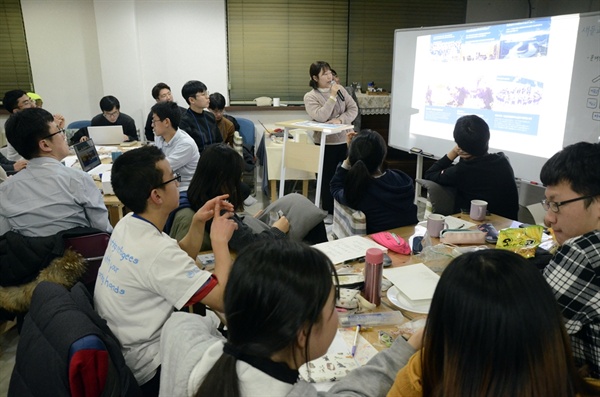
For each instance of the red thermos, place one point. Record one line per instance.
(373, 274)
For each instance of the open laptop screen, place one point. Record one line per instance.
(87, 155)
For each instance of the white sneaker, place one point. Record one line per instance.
(328, 219)
(250, 201)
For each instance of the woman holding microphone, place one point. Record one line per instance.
(329, 102)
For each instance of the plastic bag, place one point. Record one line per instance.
(522, 241)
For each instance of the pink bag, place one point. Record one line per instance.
(392, 242)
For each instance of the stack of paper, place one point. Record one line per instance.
(417, 281)
(348, 248)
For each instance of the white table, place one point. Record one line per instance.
(306, 157)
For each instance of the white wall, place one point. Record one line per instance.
(81, 50)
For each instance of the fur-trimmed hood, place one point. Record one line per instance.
(65, 270)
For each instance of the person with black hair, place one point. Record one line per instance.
(179, 148)
(144, 274)
(572, 205)
(226, 126)
(200, 125)
(16, 100)
(111, 115)
(478, 175)
(161, 92)
(386, 197)
(46, 197)
(329, 102)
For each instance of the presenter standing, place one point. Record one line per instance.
(329, 102)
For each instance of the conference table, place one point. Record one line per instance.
(372, 334)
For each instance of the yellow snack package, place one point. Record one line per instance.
(522, 241)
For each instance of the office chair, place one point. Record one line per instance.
(247, 131)
(92, 247)
(75, 125)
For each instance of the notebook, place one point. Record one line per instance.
(89, 159)
(107, 135)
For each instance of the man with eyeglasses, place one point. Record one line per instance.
(201, 125)
(572, 180)
(46, 197)
(161, 92)
(111, 115)
(145, 274)
(16, 101)
(179, 148)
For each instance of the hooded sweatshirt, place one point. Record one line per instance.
(388, 202)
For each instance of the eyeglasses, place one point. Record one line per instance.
(156, 121)
(111, 114)
(555, 205)
(177, 178)
(60, 131)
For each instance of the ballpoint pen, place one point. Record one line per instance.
(355, 340)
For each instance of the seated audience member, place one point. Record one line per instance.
(219, 171)
(12, 166)
(479, 174)
(179, 148)
(201, 125)
(111, 115)
(385, 197)
(16, 100)
(217, 107)
(46, 197)
(145, 274)
(493, 329)
(161, 93)
(272, 329)
(572, 206)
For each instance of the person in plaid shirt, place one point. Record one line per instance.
(572, 204)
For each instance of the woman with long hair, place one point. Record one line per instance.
(280, 313)
(360, 182)
(493, 329)
(220, 170)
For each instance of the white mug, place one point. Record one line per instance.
(435, 224)
(478, 210)
(275, 101)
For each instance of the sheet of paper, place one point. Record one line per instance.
(70, 160)
(348, 248)
(415, 281)
(338, 360)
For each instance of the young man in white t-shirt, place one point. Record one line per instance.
(145, 274)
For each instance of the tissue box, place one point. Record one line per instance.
(106, 185)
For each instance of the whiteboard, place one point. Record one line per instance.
(535, 81)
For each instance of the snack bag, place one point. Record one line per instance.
(522, 241)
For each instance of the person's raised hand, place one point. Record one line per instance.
(282, 224)
(350, 136)
(59, 120)
(223, 226)
(209, 209)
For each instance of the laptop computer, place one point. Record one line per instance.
(107, 135)
(89, 159)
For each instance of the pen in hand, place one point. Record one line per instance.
(355, 340)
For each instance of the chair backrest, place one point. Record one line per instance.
(442, 198)
(347, 221)
(79, 124)
(92, 247)
(246, 130)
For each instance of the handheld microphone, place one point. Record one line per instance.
(339, 93)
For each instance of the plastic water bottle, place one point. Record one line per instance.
(373, 275)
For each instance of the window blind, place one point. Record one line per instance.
(15, 69)
(273, 42)
(371, 33)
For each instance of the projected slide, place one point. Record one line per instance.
(512, 75)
